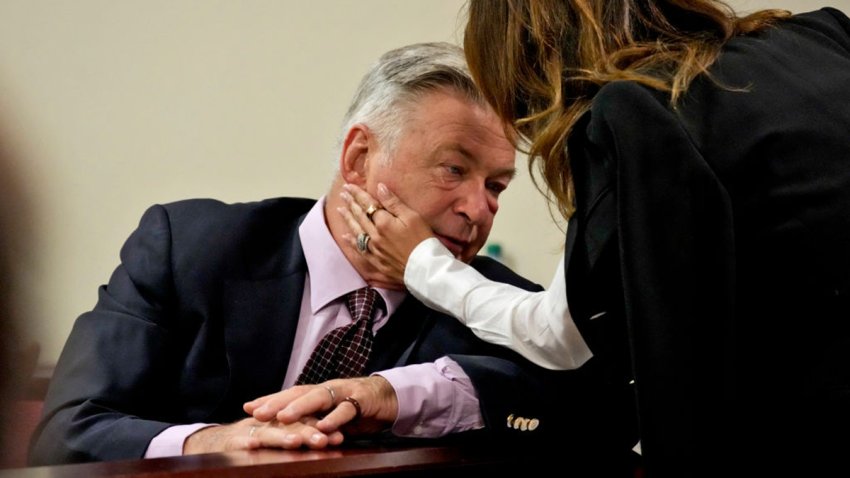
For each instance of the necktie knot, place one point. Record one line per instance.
(361, 303)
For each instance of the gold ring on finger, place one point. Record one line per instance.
(372, 209)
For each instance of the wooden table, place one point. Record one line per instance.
(419, 460)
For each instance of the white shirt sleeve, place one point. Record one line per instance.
(537, 325)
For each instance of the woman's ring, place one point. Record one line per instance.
(363, 242)
(370, 211)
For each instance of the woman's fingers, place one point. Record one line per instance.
(363, 202)
(368, 210)
(390, 202)
(386, 237)
(359, 202)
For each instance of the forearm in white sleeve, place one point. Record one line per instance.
(537, 325)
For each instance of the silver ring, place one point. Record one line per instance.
(363, 242)
(371, 210)
(333, 394)
(251, 433)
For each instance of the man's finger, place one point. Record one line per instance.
(243, 443)
(249, 407)
(339, 416)
(335, 438)
(317, 400)
(274, 403)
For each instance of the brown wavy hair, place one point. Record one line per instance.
(539, 63)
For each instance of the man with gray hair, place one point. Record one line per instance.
(215, 305)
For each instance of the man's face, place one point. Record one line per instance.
(450, 164)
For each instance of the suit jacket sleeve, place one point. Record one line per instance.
(101, 389)
(570, 410)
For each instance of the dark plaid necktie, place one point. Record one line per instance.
(344, 351)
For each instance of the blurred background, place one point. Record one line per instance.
(114, 105)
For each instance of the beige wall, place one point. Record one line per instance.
(116, 105)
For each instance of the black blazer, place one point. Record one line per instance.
(201, 316)
(711, 243)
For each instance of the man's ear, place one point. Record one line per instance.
(355, 150)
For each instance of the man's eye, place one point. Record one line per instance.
(496, 187)
(454, 170)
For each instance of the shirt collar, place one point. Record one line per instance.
(330, 274)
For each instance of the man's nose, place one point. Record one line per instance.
(477, 205)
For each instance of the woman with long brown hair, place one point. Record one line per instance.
(703, 161)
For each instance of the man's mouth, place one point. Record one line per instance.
(455, 246)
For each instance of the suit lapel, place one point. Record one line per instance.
(400, 337)
(260, 320)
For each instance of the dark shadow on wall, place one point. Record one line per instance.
(19, 400)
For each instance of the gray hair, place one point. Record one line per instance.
(399, 79)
